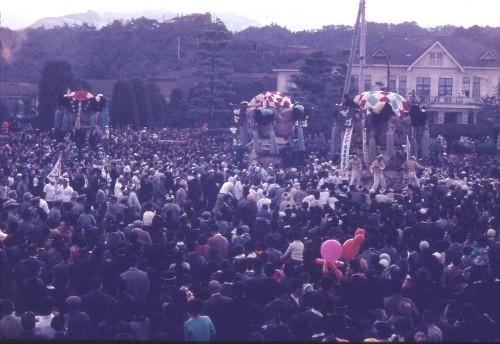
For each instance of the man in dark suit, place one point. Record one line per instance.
(216, 307)
(262, 290)
(95, 301)
(306, 323)
(137, 281)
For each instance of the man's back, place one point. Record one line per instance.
(199, 329)
(79, 325)
(137, 282)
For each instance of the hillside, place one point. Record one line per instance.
(146, 47)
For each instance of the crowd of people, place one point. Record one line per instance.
(177, 235)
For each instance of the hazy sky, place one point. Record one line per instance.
(295, 14)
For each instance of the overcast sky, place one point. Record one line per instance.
(295, 14)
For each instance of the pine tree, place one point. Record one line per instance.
(158, 105)
(177, 110)
(319, 85)
(57, 77)
(210, 98)
(123, 105)
(143, 106)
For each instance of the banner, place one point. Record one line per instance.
(346, 145)
(365, 141)
(54, 175)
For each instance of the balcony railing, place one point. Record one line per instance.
(447, 100)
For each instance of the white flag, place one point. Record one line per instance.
(53, 176)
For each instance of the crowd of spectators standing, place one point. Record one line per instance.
(177, 235)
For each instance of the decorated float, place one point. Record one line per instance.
(80, 110)
(270, 122)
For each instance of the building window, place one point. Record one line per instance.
(445, 87)
(436, 59)
(476, 87)
(368, 83)
(466, 86)
(423, 87)
(354, 84)
(392, 84)
(402, 85)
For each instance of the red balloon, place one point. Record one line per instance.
(360, 231)
(350, 249)
(359, 239)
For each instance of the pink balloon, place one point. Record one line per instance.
(350, 249)
(331, 250)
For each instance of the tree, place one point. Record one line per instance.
(211, 97)
(143, 106)
(177, 110)
(158, 105)
(57, 77)
(319, 85)
(123, 105)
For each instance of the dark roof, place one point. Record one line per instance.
(405, 50)
(18, 89)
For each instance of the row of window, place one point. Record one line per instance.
(423, 86)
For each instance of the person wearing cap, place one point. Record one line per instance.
(411, 166)
(355, 165)
(377, 168)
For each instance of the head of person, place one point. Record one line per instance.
(28, 321)
(195, 307)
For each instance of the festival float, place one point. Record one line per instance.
(271, 122)
(80, 110)
(377, 122)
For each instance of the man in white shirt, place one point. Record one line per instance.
(295, 250)
(119, 187)
(50, 192)
(262, 201)
(228, 187)
(66, 191)
(238, 189)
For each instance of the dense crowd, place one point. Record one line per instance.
(181, 235)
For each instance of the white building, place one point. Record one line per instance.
(449, 74)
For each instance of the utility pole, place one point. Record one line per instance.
(362, 47)
(389, 73)
(347, 82)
